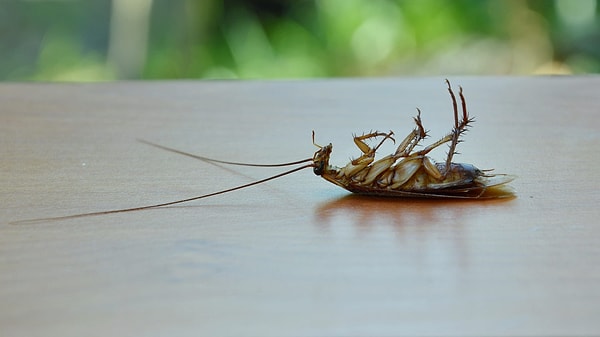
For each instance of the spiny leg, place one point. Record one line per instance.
(430, 147)
(460, 126)
(396, 175)
(413, 138)
(366, 149)
(463, 102)
(454, 105)
(358, 164)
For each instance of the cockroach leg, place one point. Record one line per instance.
(368, 155)
(313, 140)
(453, 104)
(413, 138)
(366, 149)
(460, 126)
(464, 104)
(421, 130)
(369, 152)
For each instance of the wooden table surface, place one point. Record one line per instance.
(296, 256)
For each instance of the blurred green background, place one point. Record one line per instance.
(98, 40)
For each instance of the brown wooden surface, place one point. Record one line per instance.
(296, 256)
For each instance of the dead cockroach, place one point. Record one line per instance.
(404, 174)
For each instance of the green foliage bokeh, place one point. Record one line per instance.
(169, 39)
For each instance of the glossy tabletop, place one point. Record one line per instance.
(296, 256)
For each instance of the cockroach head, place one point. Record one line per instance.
(321, 159)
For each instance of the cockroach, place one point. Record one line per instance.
(406, 173)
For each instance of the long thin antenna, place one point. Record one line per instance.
(21, 222)
(222, 161)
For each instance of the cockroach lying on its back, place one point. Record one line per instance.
(403, 174)
(411, 174)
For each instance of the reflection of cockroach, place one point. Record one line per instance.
(403, 174)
